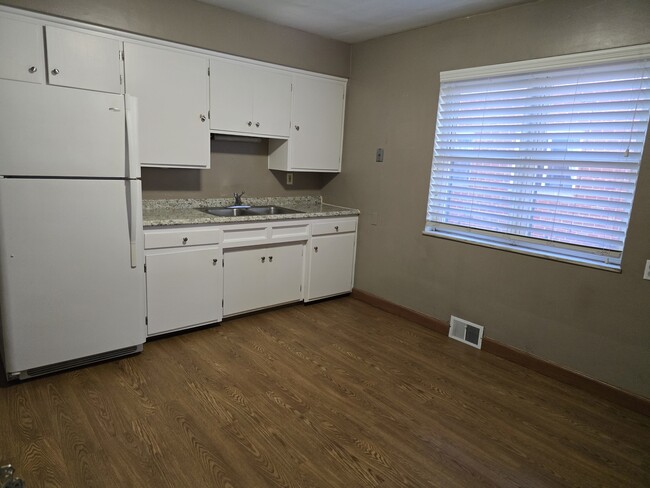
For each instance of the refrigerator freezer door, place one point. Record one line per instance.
(54, 131)
(67, 288)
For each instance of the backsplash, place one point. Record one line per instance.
(235, 167)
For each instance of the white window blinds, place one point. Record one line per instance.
(544, 160)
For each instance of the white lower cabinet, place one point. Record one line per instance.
(184, 284)
(331, 258)
(197, 275)
(262, 276)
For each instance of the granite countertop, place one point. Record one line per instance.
(188, 211)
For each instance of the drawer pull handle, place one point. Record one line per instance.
(315, 248)
(55, 71)
(249, 123)
(33, 69)
(270, 259)
(215, 261)
(263, 259)
(336, 228)
(184, 240)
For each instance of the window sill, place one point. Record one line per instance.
(544, 254)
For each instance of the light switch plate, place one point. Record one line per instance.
(379, 156)
(646, 272)
(289, 178)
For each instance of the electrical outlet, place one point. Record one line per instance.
(289, 178)
(646, 273)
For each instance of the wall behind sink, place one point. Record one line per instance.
(235, 167)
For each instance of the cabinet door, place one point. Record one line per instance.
(21, 51)
(331, 265)
(249, 99)
(244, 278)
(317, 124)
(259, 277)
(231, 96)
(184, 288)
(172, 92)
(80, 60)
(284, 272)
(272, 102)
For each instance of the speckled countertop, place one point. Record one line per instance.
(188, 211)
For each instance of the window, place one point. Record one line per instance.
(542, 156)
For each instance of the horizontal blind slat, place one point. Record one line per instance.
(547, 155)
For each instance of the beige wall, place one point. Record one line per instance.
(234, 166)
(591, 321)
(202, 25)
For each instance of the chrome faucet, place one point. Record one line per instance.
(238, 196)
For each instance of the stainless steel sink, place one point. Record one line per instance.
(249, 211)
(225, 211)
(270, 210)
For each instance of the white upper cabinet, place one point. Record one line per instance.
(75, 58)
(21, 51)
(80, 60)
(172, 91)
(316, 137)
(248, 99)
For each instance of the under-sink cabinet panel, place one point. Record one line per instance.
(184, 288)
(263, 276)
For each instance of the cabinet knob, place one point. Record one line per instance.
(202, 117)
(336, 228)
(55, 71)
(249, 123)
(270, 259)
(297, 127)
(257, 124)
(215, 261)
(315, 248)
(263, 259)
(184, 240)
(33, 69)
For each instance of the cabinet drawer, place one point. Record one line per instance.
(295, 232)
(333, 227)
(155, 239)
(245, 235)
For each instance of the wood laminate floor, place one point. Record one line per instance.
(335, 394)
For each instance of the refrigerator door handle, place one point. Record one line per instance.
(132, 172)
(132, 137)
(133, 200)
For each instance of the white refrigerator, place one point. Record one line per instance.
(72, 287)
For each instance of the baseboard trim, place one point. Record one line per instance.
(405, 313)
(595, 387)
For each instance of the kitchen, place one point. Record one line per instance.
(403, 125)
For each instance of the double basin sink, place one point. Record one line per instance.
(245, 211)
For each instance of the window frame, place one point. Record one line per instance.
(575, 254)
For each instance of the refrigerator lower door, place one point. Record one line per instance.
(67, 288)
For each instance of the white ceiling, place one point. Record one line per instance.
(359, 20)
